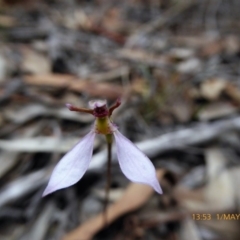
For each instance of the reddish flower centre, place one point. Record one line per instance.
(100, 112)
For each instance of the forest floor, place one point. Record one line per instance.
(175, 65)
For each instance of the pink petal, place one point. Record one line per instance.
(72, 166)
(135, 165)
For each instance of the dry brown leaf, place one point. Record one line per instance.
(191, 65)
(226, 229)
(135, 196)
(233, 92)
(212, 88)
(181, 53)
(182, 110)
(105, 90)
(49, 80)
(184, 194)
(7, 21)
(231, 44)
(112, 20)
(216, 110)
(218, 194)
(212, 48)
(35, 62)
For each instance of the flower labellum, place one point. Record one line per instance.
(133, 163)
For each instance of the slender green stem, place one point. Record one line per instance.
(108, 182)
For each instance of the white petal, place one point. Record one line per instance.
(72, 166)
(97, 103)
(135, 165)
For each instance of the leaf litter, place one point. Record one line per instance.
(175, 66)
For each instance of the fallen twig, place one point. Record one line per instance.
(177, 140)
(134, 197)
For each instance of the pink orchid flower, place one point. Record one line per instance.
(133, 163)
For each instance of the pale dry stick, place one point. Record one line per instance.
(38, 144)
(179, 139)
(23, 185)
(40, 225)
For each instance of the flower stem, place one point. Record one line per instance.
(108, 173)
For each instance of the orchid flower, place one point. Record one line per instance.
(133, 163)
